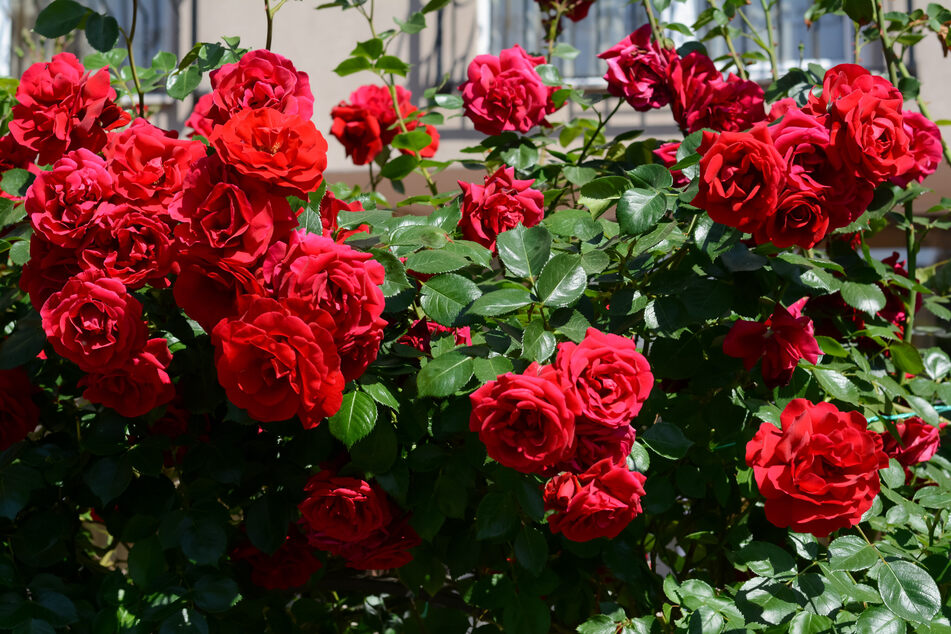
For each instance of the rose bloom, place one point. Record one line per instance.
(422, 331)
(505, 93)
(148, 165)
(207, 289)
(227, 217)
(701, 98)
(741, 176)
(576, 10)
(595, 442)
(599, 502)
(501, 203)
(61, 202)
(343, 509)
(19, 415)
(339, 280)
(282, 151)
(47, 270)
(132, 247)
(919, 442)
(290, 566)
(785, 337)
(15, 156)
(384, 549)
(60, 108)
(278, 359)
(667, 153)
(608, 376)
(526, 421)
(819, 473)
(368, 122)
(330, 208)
(260, 79)
(378, 102)
(925, 148)
(637, 70)
(137, 387)
(94, 322)
(799, 220)
(198, 120)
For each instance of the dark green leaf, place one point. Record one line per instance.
(17, 481)
(831, 347)
(266, 521)
(16, 181)
(574, 223)
(500, 302)
(865, 297)
(355, 419)
(108, 477)
(59, 18)
(413, 140)
(20, 252)
(432, 261)
(445, 296)
(372, 48)
(215, 593)
(353, 65)
(705, 621)
(489, 369)
(837, 384)
(639, 210)
(147, 562)
(851, 553)
(601, 192)
(23, 344)
(766, 560)
(562, 281)
(102, 31)
(667, 440)
(531, 549)
(809, 623)
(523, 157)
(651, 176)
(444, 375)
(909, 591)
(203, 539)
(907, 358)
(496, 516)
(879, 620)
(524, 251)
(391, 64)
(399, 167)
(435, 5)
(34, 626)
(378, 451)
(182, 83)
(537, 343)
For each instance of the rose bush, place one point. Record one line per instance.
(599, 382)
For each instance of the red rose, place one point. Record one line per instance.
(919, 442)
(637, 70)
(260, 79)
(384, 549)
(148, 165)
(137, 387)
(667, 153)
(368, 122)
(47, 270)
(785, 337)
(344, 509)
(430, 150)
(607, 375)
(19, 415)
(595, 442)
(799, 220)
(279, 150)
(339, 280)
(741, 175)
(132, 247)
(599, 502)
(227, 217)
(526, 421)
(62, 202)
(358, 131)
(422, 331)
(925, 148)
(330, 208)
(198, 120)
(290, 566)
(275, 362)
(208, 289)
(500, 204)
(94, 322)
(819, 473)
(895, 311)
(13, 155)
(61, 108)
(574, 10)
(505, 93)
(701, 98)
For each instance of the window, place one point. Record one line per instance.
(156, 27)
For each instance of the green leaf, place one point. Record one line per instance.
(23, 344)
(59, 18)
(108, 478)
(184, 621)
(203, 539)
(600, 624)
(565, 51)
(450, 102)
(601, 192)
(352, 65)
(413, 140)
(907, 358)
(215, 593)
(496, 515)
(10, 213)
(574, 223)
(435, 261)
(415, 23)
(766, 560)
(523, 157)
(937, 363)
(380, 393)
(705, 621)
(16, 181)
(924, 409)
(147, 562)
(164, 61)
(809, 623)
(893, 474)
(490, 369)
(549, 74)
(537, 343)
(182, 83)
(444, 375)
(17, 481)
(651, 176)
(399, 167)
(531, 549)
(837, 384)
(34, 626)
(562, 281)
(639, 210)
(500, 302)
(435, 5)
(102, 32)
(393, 65)
(865, 297)
(879, 620)
(20, 252)
(526, 615)
(851, 553)
(909, 591)
(355, 419)
(524, 251)
(831, 347)
(579, 175)
(445, 296)
(667, 440)
(266, 522)
(378, 451)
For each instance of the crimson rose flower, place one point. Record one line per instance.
(148, 165)
(260, 79)
(283, 151)
(384, 549)
(741, 175)
(608, 376)
(799, 220)
(575, 10)
(819, 473)
(358, 131)
(47, 270)
(290, 566)
(500, 204)
(339, 280)
(330, 208)
(919, 442)
(132, 247)
(526, 421)
(599, 502)
(595, 442)
(637, 70)
(19, 415)
(137, 387)
(60, 108)
(62, 202)
(276, 362)
(94, 322)
(667, 153)
(701, 98)
(422, 331)
(344, 509)
(208, 289)
(198, 120)
(785, 337)
(925, 148)
(227, 217)
(505, 93)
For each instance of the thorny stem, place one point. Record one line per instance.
(912, 249)
(740, 68)
(652, 20)
(128, 45)
(771, 49)
(553, 30)
(269, 14)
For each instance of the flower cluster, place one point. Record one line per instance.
(499, 204)
(370, 121)
(572, 417)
